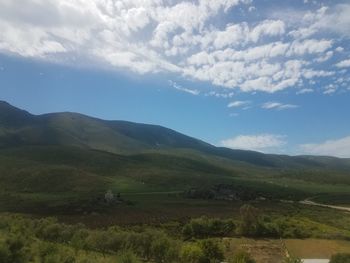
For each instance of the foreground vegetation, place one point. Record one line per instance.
(199, 240)
(114, 191)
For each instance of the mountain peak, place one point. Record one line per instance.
(12, 116)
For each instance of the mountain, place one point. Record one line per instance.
(64, 161)
(18, 128)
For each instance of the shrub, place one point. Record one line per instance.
(242, 257)
(78, 240)
(49, 253)
(191, 253)
(14, 249)
(212, 251)
(164, 249)
(340, 258)
(127, 256)
(5, 255)
(250, 217)
(204, 227)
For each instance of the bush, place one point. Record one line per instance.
(249, 220)
(49, 253)
(127, 256)
(164, 249)
(78, 240)
(191, 253)
(5, 254)
(204, 227)
(14, 249)
(242, 257)
(340, 258)
(212, 251)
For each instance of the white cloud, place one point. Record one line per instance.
(261, 142)
(337, 21)
(181, 37)
(339, 49)
(310, 73)
(309, 46)
(238, 103)
(338, 147)
(278, 106)
(267, 28)
(343, 64)
(330, 89)
(220, 94)
(180, 88)
(304, 91)
(325, 57)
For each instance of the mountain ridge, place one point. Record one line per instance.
(19, 127)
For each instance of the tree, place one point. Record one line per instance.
(340, 258)
(249, 220)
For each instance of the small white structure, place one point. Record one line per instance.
(109, 196)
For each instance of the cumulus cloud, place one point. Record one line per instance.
(338, 147)
(278, 106)
(149, 36)
(260, 142)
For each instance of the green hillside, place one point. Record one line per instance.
(18, 128)
(68, 160)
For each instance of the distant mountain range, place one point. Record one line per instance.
(67, 161)
(19, 128)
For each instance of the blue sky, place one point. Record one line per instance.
(271, 76)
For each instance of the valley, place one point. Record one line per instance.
(74, 172)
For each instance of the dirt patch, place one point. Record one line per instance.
(262, 250)
(274, 250)
(316, 248)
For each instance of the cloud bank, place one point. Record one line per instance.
(260, 142)
(149, 36)
(338, 147)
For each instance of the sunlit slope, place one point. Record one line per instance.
(18, 128)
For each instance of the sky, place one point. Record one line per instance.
(271, 76)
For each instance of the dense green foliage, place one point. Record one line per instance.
(205, 227)
(45, 240)
(340, 258)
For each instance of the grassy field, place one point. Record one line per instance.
(272, 250)
(56, 180)
(311, 248)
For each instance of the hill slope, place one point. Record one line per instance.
(69, 160)
(18, 128)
